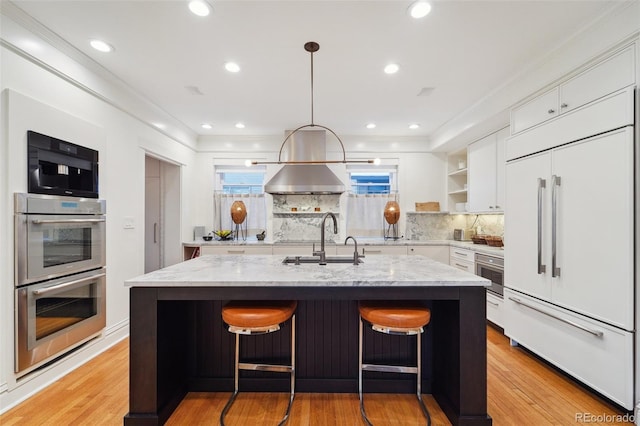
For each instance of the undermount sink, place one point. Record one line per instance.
(297, 260)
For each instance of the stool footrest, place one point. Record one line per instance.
(254, 330)
(390, 368)
(265, 367)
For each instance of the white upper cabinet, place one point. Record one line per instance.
(601, 79)
(535, 111)
(486, 173)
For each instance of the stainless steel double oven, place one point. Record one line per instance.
(60, 275)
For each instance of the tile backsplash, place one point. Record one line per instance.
(430, 226)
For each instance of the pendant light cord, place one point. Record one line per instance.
(312, 89)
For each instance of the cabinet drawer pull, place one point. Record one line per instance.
(596, 333)
(372, 251)
(564, 105)
(462, 266)
(551, 111)
(493, 303)
(461, 254)
(235, 251)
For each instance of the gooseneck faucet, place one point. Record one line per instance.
(356, 256)
(321, 253)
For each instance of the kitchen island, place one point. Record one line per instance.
(178, 342)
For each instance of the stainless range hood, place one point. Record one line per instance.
(305, 146)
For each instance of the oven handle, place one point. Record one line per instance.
(596, 333)
(44, 221)
(65, 285)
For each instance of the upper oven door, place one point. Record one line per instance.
(50, 246)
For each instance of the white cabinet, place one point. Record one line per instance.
(569, 227)
(535, 111)
(373, 250)
(439, 253)
(595, 353)
(614, 73)
(463, 259)
(235, 249)
(486, 173)
(495, 310)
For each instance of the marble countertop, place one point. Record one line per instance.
(269, 271)
(363, 242)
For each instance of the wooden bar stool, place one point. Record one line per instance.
(393, 317)
(260, 317)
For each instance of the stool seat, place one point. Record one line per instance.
(395, 314)
(256, 314)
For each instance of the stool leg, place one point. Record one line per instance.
(293, 370)
(360, 339)
(419, 384)
(227, 407)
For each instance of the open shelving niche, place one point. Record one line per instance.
(456, 179)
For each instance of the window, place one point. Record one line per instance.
(371, 188)
(373, 179)
(240, 180)
(237, 183)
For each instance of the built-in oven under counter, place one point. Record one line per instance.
(55, 316)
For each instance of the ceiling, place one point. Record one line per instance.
(463, 50)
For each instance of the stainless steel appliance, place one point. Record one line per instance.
(60, 274)
(57, 236)
(491, 268)
(55, 316)
(57, 167)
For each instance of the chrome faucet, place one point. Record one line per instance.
(356, 256)
(321, 253)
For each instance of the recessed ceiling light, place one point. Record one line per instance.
(232, 67)
(101, 46)
(391, 68)
(199, 7)
(371, 126)
(206, 126)
(240, 125)
(419, 9)
(414, 126)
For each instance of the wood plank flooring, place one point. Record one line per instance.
(522, 390)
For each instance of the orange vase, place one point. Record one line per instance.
(238, 212)
(392, 212)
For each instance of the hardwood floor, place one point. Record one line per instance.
(522, 391)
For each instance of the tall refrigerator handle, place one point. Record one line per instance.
(555, 182)
(542, 183)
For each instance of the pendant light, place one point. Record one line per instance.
(313, 47)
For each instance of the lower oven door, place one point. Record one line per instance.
(58, 315)
(50, 246)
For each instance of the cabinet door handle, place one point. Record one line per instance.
(555, 182)
(372, 251)
(541, 185)
(155, 232)
(235, 251)
(551, 111)
(596, 333)
(493, 303)
(564, 105)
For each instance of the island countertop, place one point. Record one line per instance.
(269, 270)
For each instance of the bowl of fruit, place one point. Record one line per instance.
(224, 234)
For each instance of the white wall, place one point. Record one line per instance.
(36, 98)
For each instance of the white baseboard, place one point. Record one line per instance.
(12, 394)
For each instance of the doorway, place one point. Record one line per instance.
(162, 242)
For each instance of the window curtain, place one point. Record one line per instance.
(365, 214)
(256, 220)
